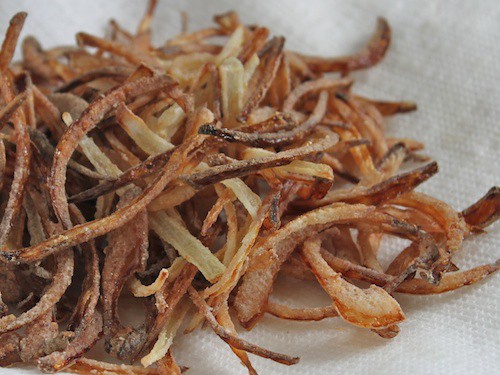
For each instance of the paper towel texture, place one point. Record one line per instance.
(445, 55)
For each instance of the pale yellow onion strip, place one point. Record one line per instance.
(140, 290)
(250, 68)
(101, 163)
(306, 168)
(167, 335)
(245, 195)
(169, 121)
(144, 137)
(123, 151)
(148, 114)
(172, 197)
(189, 247)
(232, 47)
(175, 215)
(197, 319)
(186, 68)
(297, 166)
(175, 269)
(98, 158)
(232, 233)
(235, 267)
(232, 81)
(260, 114)
(94, 154)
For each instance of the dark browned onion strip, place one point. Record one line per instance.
(11, 107)
(274, 54)
(108, 71)
(145, 169)
(10, 42)
(9, 349)
(131, 54)
(485, 211)
(370, 55)
(89, 320)
(244, 167)
(389, 108)
(126, 253)
(22, 159)
(449, 281)
(272, 139)
(379, 193)
(234, 341)
(60, 282)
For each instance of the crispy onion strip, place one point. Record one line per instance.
(140, 290)
(9, 44)
(368, 308)
(107, 71)
(381, 192)
(297, 313)
(272, 139)
(389, 108)
(22, 161)
(373, 52)
(131, 54)
(485, 211)
(233, 340)
(11, 107)
(271, 64)
(89, 320)
(324, 83)
(126, 253)
(449, 281)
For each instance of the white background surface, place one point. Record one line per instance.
(445, 55)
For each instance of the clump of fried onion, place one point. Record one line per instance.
(186, 177)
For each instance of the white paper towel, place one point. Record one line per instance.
(445, 56)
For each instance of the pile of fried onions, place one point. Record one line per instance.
(186, 177)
